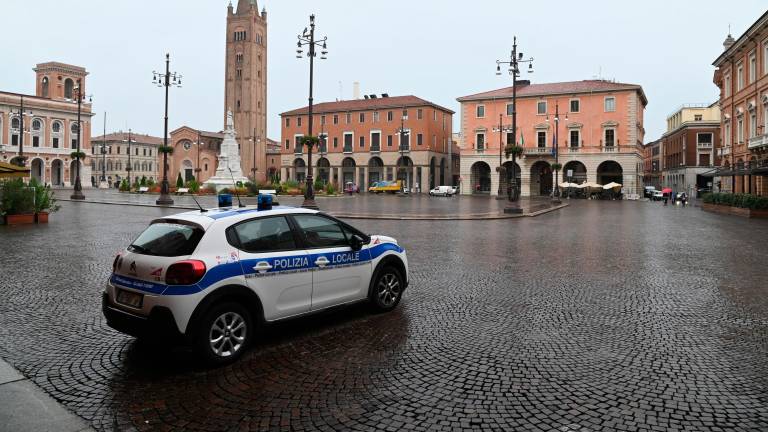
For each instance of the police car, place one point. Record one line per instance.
(212, 277)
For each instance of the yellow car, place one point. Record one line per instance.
(386, 186)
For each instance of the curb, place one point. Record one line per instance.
(26, 407)
(485, 216)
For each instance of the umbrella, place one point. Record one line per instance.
(568, 185)
(591, 185)
(666, 190)
(8, 170)
(612, 185)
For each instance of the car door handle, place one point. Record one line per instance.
(262, 266)
(322, 261)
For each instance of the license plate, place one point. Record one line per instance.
(129, 298)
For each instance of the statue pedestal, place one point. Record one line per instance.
(228, 171)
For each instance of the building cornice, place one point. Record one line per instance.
(756, 27)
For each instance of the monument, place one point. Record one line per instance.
(228, 171)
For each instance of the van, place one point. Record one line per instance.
(442, 191)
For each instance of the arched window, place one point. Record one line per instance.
(109, 165)
(37, 130)
(56, 134)
(149, 166)
(15, 125)
(44, 87)
(73, 136)
(69, 85)
(135, 166)
(118, 166)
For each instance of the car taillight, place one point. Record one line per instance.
(114, 263)
(185, 272)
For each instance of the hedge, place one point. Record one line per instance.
(747, 201)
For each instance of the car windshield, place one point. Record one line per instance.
(167, 239)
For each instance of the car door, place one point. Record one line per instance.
(275, 267)
(340, 274)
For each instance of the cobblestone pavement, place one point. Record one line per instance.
(358, 204)
(602, 316)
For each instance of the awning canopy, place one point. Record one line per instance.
(13, 171)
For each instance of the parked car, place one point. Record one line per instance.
(213, 278)
(442, 191)
(351, 188)
(649, 190)
(455, 190)
(657, 195)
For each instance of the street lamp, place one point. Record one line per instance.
(20, 159)
(198, 144)
(77, 154)
(166, 80)
(104, 151)
(255, 141)
(129, 168)
(404, 133)
(308, 38)
(556, 165)
(502, 129)
(515, 59)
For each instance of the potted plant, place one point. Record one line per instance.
(45, 203)
(18, 202)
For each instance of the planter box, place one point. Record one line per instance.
(41, 217)
(20, 219)
(736, 211)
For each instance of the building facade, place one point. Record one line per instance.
(195, 154)
(246, 83)
(689, 148)
(114, 158)
(599, 136)
(361, 142)
(46, 132)
(742, 76)
(652, 164)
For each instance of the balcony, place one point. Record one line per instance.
(538, 151)
(610, 149)
(758, 141)
(725, 151)
(704, 146)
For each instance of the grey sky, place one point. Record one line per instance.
(438, 50)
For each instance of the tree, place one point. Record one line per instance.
(179, 181)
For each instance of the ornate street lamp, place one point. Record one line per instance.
(307, 38)
(515, 59)
(129, 168)
(104, 151)
(256, 140)
(78, 154)
(404, 133)
(20, 160)
(501, 128)
(556, 166)
(166, 80)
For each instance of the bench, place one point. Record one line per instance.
(181, 191)
(143, 189)
(268, 191)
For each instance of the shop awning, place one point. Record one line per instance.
(13, 171)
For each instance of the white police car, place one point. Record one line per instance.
(211, 277)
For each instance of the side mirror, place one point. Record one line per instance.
(356, 243)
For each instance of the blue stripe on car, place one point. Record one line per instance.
(281, 264)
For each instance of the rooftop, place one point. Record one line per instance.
(123, 136)
(737, 46)
(367, 104)
(524, 89)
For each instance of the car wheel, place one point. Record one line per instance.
(387, 289)
(224, 333)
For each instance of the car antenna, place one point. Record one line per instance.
(234, 185)
(202, 210)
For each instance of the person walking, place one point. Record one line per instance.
(666, 197)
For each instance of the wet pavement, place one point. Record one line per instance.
(416, 206)
(601, 316)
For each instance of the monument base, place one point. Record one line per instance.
(225, 182)
(103, 185)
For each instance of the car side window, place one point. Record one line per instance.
(265, 235)
(321, 232)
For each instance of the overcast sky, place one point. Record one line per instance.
(436, 49)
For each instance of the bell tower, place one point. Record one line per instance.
(246, 83)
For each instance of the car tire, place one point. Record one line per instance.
(224, 333)
(386, 289)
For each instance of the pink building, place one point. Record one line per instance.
(600, 135)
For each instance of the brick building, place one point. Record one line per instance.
(652, 164)
(600, 135)
(115, 160)
(688, 147)
(742, 76)
(46, 133)
(195, 154)
(362, 143)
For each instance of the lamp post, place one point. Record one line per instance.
(308, 38)
(515, 59)
(198, 144)
(20, 160)
(255, 140)
(78, 193)
(556, 165)
(404, 133)
(501, 129)
(104, 152)
(166, 80)
(129, 168)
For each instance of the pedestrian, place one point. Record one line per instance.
(683, 198)
(666, 197)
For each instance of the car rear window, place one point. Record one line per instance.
(167, 239)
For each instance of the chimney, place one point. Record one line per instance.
(355, 90)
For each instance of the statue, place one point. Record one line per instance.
(228, 171)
